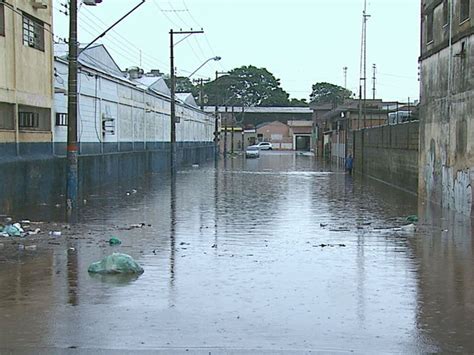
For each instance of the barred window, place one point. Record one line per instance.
(33, 32)
(28, 119)
(61, 119)
(465, 10)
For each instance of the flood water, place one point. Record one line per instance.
(279, 254)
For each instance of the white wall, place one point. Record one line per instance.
(139, 116)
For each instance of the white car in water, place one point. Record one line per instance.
(265, 146)
(252, 151)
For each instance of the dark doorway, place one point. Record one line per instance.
(303, 143)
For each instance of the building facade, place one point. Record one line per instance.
(446, 166)
(26, 74)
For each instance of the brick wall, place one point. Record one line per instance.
(389, 153)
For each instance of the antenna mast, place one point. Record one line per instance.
(363, 67)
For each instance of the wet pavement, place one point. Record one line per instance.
(280, 254)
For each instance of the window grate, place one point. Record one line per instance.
(61, 119)
(28, 119)
(33, 33)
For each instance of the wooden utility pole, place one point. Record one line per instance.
(72, 151)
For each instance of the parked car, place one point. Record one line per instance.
(252, 152)
(265, 146)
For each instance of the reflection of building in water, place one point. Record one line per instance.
(446, 282)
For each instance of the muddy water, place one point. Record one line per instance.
(278, 254)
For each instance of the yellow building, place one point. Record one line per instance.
(26, 76)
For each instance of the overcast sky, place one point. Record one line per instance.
(300, 41)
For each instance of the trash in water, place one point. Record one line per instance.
(12, 230)
(21, 247)
(214, 246)
(117, 263)
(330, 245)
(55, 233)
(30, 247)
(25, 221)
(134, 226)
(195, 165)
(323, 225)
(412, 218)
(36, 231)
(115, 241)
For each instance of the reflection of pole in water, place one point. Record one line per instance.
(172, 228)
(72, 277)
(216, 203)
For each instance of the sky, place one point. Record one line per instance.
(301, 42)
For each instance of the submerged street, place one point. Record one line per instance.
(278, 254)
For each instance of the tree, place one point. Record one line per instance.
(327, 93)
(247, 86)
(299, 103)
(183, 85)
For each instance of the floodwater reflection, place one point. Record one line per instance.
(278, 253)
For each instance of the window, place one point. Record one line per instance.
(6, 116)
(445, 12)
(2, 20)
(34, 118)
(61, 119)
(429, 28)
(33, 32)
(465, 9)
(28, 119)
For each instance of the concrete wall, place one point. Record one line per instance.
(41, 182)
(446, 171)
(389, 153)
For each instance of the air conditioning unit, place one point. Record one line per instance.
(40, 4)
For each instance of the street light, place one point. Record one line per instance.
(217, 58)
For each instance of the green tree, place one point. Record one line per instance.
(299, 103)
(247, 85)
(327, 93)
(183, 85)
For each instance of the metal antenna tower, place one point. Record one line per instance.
(374, 80)
(345, 77)
(363, 67)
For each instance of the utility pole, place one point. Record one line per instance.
(374, 67)
(71, 170)
(201, 81)
(173, 162)
(345, 77)
(216, 133)
(72, 184)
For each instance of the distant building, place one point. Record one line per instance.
(446, 172)
(26, 74)
(333, 125)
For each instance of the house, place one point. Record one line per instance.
(333, 125)
(301, 134)
(26, 72)
(276, 132)
(446, 169)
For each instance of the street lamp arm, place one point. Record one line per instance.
(203, 64)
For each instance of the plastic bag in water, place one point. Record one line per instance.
(117, 263)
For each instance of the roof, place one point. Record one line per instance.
(275, 123)
(187, 98)
(155, 83)
(263, 110)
